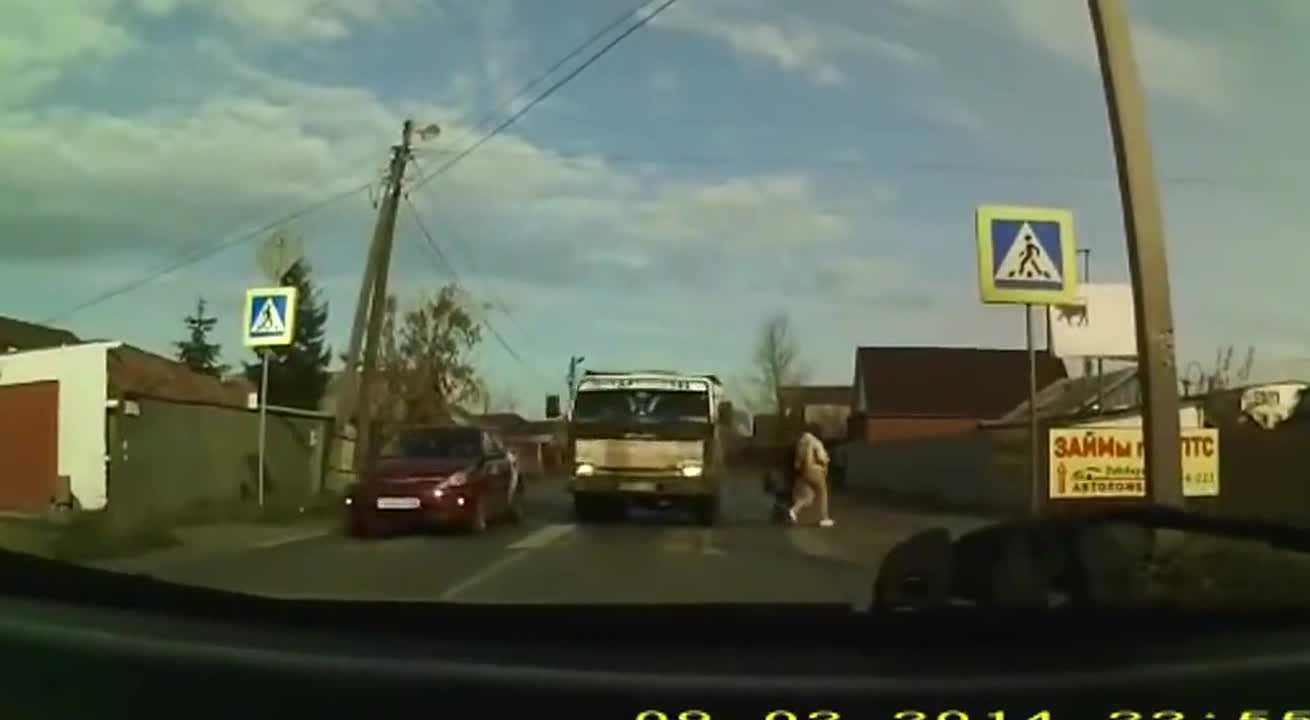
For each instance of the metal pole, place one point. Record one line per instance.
(1034, 440)
(1087, 363)
(1144, 230)
(263, 420)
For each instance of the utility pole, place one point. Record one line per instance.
(352, 393)
(1144, 229)
(400, 156)
(574, 362)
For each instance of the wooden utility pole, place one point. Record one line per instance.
(1144, 228)
(353, 396)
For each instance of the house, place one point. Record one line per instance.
(828, 406)
(911, 393)
(86, 423)
(20, 335)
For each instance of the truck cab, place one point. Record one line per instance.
(645, 438)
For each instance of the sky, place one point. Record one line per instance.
(730, 160)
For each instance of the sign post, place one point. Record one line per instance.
(270, 321)
(1026, 256)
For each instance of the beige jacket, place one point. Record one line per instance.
(811, 458)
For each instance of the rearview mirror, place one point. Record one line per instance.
(916, 574)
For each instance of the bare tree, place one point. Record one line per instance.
(424, 361)
(776, 361)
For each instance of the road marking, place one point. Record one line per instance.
(543, 536)
(535, 540)
(810, 541)
(707, 543)
(294, 538)
(486, 573)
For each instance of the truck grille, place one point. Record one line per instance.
(638, 454)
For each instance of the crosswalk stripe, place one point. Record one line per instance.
(541, 537)
(811, 541)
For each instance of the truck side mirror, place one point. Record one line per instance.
(552, 407)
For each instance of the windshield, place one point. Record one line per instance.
(754, 289)
(434, 445)
(646, 406)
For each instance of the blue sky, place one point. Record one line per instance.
(732, 159)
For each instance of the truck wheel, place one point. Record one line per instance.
(707, 511)
(595, 509)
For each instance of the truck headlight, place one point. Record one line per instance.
(584, 470)
(691, 471)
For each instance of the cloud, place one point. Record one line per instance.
(1196, 70)
(664, 80)
(951, 113)
(791, 43)
(38, 41)
(155, 183)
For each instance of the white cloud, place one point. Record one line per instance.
(951, 113)
(262, 144)
(1196, 70)
(791, 43)
(664, 80)
(38, 41)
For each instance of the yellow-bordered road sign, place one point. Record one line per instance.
(269, 319)
(1026, 255)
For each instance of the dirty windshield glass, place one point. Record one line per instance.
(739, 293)
(434, 444)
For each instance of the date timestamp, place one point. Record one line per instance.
(994, 715)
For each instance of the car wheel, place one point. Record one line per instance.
(707, 511)
(363, 528)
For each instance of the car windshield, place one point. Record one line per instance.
(754, 289)
(641, 406)
(434, 445)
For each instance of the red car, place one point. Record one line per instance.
(436, 477)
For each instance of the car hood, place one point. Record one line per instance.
(403, 469)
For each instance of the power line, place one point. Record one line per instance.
(568, 77)
(431, 242)
(545, 74)
(486, 320)
(207, 252)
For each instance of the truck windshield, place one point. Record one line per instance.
(641, 405)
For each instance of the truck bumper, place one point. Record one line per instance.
(639, 487)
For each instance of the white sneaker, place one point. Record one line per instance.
(827, 522)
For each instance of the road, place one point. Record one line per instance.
(550, 559)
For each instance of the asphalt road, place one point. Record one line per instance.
(551, 559)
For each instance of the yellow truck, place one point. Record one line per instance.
(648, 439)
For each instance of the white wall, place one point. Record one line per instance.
(82, 373)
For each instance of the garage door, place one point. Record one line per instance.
(29, 445)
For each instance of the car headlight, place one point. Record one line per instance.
(691, 471)
(584, 469)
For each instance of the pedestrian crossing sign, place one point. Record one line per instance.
(1026, 255)
(270, 317)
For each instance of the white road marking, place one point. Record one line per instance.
(707, 543)
(294, 538)
(535, 540)
(543, 536)
(811, 541)
(486, 573)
